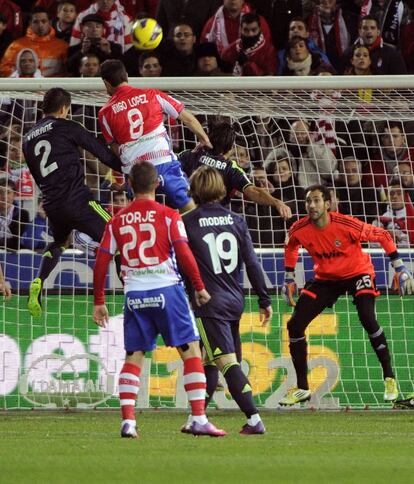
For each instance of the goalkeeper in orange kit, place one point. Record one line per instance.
(340, 266)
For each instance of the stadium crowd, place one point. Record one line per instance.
(369, 165)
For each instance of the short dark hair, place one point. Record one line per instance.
(54, 99)
(7, 183)
(143, 176)
(3, 19)
(39, 10)
(113, 71)
(298, 19)
(368, 17)
(249, 18)
(393, 124)
(146, 55)
(295, 40)
(326, 194)
(222, 135)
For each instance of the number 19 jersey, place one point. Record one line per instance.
(133, 118)
(144, 233)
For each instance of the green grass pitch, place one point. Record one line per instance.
(299, 447)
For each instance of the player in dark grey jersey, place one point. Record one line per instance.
(222, 136)
(220, 242)
(51, 150)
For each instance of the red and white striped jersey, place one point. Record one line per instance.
(133, 118)
(144, 233)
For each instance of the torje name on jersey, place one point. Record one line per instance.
(131, 102)
(138, 217)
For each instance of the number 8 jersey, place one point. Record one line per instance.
(144, 233)
(133, 118)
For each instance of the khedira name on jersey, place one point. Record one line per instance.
(138, 217)
(129, 103)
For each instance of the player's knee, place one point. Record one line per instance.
(225, 360)
(296, 328)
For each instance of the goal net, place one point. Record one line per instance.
(354, 134)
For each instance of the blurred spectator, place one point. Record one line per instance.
(278, 14)
(241, 155)
(390, 15)
(265, 227)
(12, 17)
(298, 28)
(52, 5)
(178, 58)
(65, 19)
(223, 28)
(403, 173)
(357, 200)
(360, 61)
(398, 219)
(312, 163)
(286, 188)
(27, 64)
(192, 12)
(40, 37)
(332, 29)
(93, 42)
(252, 54)
(386, 59)
(335, 200)
(5, 35)
(407, 38)
(117, 23)
(37, 234)
(13, 220)
(119, 201)
(90, 66)
(149, 65)
(208, 60)
(392, 149)
(300, 61)
(132, 7)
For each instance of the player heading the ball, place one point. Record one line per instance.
(132, 123)
(150, 236)
(340, 266)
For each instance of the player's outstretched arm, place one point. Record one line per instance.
(88, 141)
(5, 288)
(263, 197)
(194, 126)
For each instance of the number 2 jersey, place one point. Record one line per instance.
(149, 237)
(336, 249)
(133, 118)
(220, 242)
(51, 151)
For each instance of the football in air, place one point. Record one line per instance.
(146, 34)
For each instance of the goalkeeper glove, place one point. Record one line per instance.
(403, 279)
(289, 289)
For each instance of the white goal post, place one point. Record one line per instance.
(63, 360)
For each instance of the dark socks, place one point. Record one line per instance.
(212, 375)
(240, 389)
(298, 351)
(50, 258)
(379, 344)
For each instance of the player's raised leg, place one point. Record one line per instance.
(365, 304)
